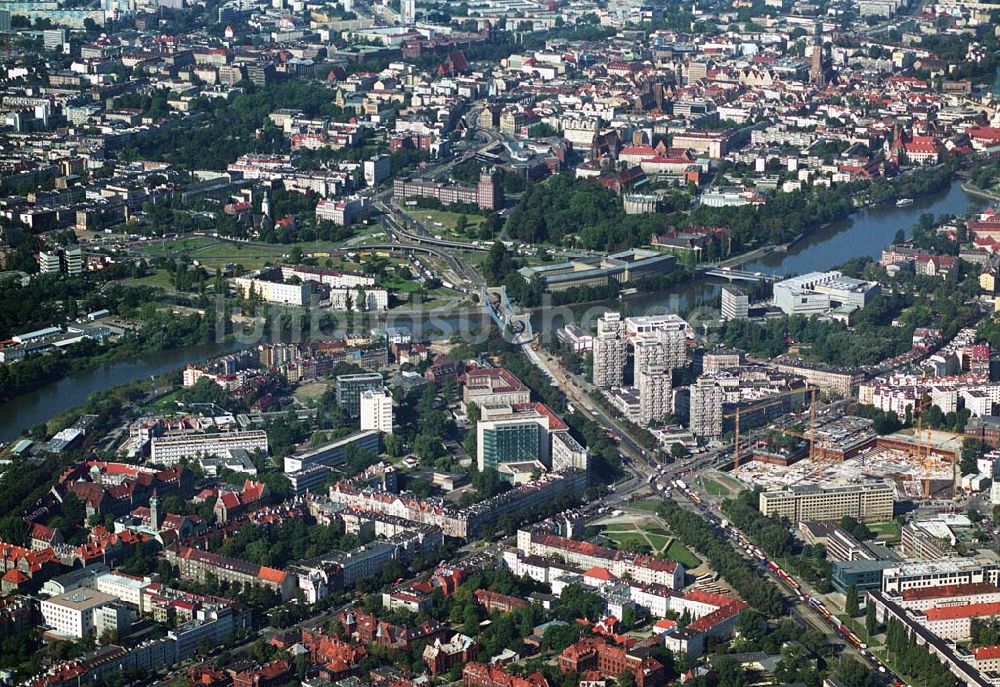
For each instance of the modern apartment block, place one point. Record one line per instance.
(665, 347)
(567, 453)
(653, 382)
(707, 397)
(872, 502)
(609, 352)
(172, 448)
(274, 291)
(350, 388)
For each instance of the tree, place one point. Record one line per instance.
(853, 673)
(471, 619)
(393, 446)
(972, 451)
(851, 605)
(625, 679)
(856, 529)
(870, 622)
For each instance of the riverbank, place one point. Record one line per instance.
(980, 193)
(72, 391)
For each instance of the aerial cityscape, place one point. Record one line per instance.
(500, 343)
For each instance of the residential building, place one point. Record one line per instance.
(609, 351)
(664, 347)
(198, 566)
(830, 379)
(273, 291)
(655, 392)
(705, 410)
(377, 169)
(567, 453)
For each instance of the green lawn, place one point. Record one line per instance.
(714, 487)
(680, 553)
(887, 530)
(447, 220)
(166, 402)
(658, 541)
(401, 286)
(158, 279)
(650, 505)
(620, 527)
(624, 539)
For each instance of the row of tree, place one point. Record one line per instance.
(698, 534)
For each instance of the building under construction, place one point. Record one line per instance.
(919, 463)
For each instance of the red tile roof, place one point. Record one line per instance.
(965, 611)
(986, 652)
(948, 590)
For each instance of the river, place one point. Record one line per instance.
(29, 409)
(864, 233)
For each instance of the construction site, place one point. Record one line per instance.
(920, 463)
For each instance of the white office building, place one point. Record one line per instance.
(171, 449)
(274, 291)
(818, 292)
(735, 303)
(376, 410)
(125, 588)
(84, 613)
(48, 262)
